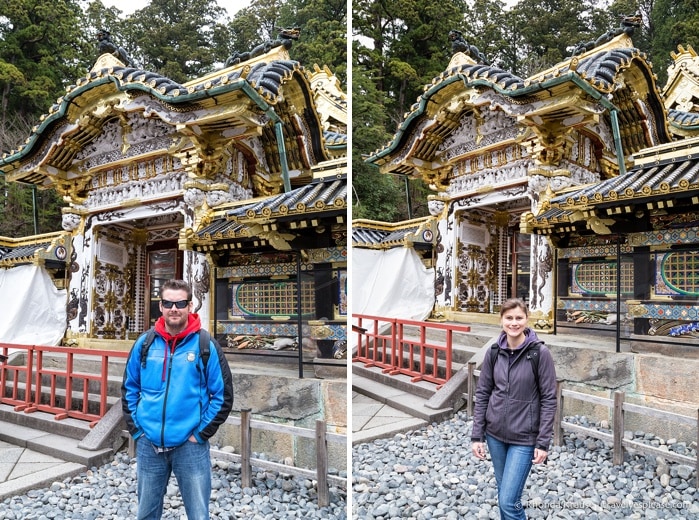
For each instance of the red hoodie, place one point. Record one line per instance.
(193, 325)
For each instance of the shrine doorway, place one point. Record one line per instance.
(163, 263)
(519, 267)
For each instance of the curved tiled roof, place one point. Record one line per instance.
(220, 228)
(368, 237)
(419, 233)
(600, 69)
(334, 138)
(263, 79)
(653, 181)
(21, 253)
(597, 71)
(683, 119)
(325, 196)
(492, 76)
(650, 180)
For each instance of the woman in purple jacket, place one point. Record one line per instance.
(515, 408)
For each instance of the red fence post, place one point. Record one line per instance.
(35, 372)
(404, 358)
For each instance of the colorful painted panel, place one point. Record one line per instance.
(674, 328)
(243, 328)
(260, 270)
(666, 311)
(599, 278)
(314, 330)
(677, 273)
(271, 298)
(603, 306)
(268, 269)
(601, 250)
(665, 237)
(328, 331)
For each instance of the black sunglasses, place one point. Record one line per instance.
(180, 304)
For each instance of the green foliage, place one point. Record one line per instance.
(675, 22)
(374, 196)
(560, 25)
(483, 26)
(176, 38)
(255, 24)
(323, 40)
(323, 26)
(40, 53)
(42, 50)
(17, 217)
(405, 43)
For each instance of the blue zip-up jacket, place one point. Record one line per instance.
(173, 397)
(509, 406)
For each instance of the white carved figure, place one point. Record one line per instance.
(217, 197)
(256, 145)
(436, 207)
(70, 221)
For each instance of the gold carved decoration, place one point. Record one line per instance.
(73, 191)
(437, 180)
(636, 310)
(541, 322)
(264, 187)
(549, 147)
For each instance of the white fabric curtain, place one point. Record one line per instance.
(32, 309)
(393, 283)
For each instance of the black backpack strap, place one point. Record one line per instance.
(532, 356)
(204, 346)
(493, 354)
(149, 336)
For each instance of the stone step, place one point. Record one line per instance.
(372, 420)
(403, 400)
(399, 382)
(50, 442)
(74, 428)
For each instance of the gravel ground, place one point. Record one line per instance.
(109, 493)
(430, 473)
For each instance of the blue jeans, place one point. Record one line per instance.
(191, 464)
(511, 464)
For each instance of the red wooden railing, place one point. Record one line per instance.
(23, 385)
(384, 343)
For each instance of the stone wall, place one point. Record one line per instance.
(291, 401)
(665, 383)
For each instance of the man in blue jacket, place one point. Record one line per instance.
(175, 395)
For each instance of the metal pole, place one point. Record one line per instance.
(299, 321)
(35, 210)
(407, 197)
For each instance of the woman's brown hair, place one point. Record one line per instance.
(513, 303)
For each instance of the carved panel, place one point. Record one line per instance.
(473, 291)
